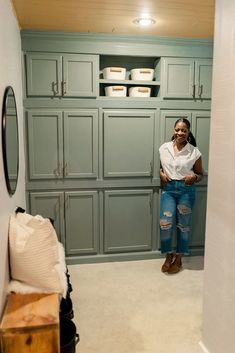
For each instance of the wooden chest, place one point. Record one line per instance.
(30, 324)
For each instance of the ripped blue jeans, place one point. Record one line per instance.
(177, 200)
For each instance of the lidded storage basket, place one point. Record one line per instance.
(139, 91)
(115, 91)
(114, 73)
(142, 74)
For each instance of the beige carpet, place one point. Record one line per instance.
(131, 307)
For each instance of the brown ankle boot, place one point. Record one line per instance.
(176, 265)
(167, 264)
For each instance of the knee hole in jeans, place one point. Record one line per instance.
(183, 209)
(165, 224)
(167, 213)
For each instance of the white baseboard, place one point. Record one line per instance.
(203, 349)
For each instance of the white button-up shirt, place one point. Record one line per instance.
(177, 165)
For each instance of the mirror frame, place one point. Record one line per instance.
(10, 189)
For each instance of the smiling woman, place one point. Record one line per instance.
(181, 167)
(10, 140)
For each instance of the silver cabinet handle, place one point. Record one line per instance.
(59, 169)
(200, 90)
(151, 168)
(55, 172)
(55, 87)
(65, 169)
(194, 89)
(63, 87)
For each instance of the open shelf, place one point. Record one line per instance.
(131, 82)
(129, 63)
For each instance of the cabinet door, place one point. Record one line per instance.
(80, 144)
(128, 143)
(45, 144)
(44, 74)
(128, 220)
(201, 131)
(80, 75)
(49, 205)
(199, 218)
(178, 78)
(81, 217)
(168, 119)
(203, 78)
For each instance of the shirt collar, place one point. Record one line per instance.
(171, 149)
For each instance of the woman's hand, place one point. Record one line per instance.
(190, 179)
(163, 176)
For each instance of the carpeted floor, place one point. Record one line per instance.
(131, 307)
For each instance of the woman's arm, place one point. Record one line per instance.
(164, 178)
(198, 171)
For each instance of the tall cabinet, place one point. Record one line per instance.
(92, 160)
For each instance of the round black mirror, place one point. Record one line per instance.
(10, 142)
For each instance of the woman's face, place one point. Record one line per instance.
(181, 132)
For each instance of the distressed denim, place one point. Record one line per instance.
(177, 200)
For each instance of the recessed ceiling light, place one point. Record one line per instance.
(144, 21)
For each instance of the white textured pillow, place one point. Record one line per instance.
(34, 253)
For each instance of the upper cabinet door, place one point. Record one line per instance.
(203, 78)
(178, 78)
(80, 75)
(45, 144)
(80, 144)
(57, 75)
(128, 143)
(44, 74)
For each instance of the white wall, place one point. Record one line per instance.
(219, 281)
(10, 74)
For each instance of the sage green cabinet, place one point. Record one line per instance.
(128, 143)
(81, 222)
(128, 220)
(187, 78)
(62, 144)
(201, 131)
(199, 218)
(200, 127)
(49, 205)
(62, 75)
(76, 218)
